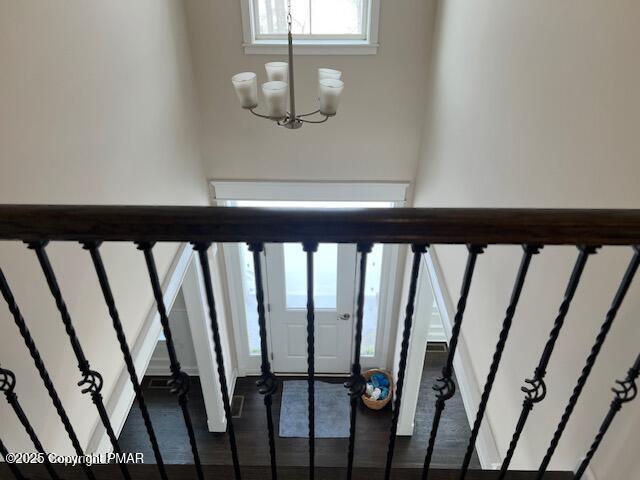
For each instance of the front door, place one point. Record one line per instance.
(334, 290)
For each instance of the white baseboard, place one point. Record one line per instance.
(119, 401)
(468, 385)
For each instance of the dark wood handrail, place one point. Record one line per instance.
(404, 225)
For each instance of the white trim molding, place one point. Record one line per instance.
(194, 292)
(119, 401)
(470, 389)
(224, 190)
(326, 45)
(417, 347)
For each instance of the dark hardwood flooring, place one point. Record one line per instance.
(251, 431)
(187, 472)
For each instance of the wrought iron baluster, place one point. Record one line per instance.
(179, 383)
(417, 250)
(7, 386)
(356, 383)
(529, 251)
(623, 288)
(13, 468)
(103, 279)
(444, 387)
(91, 381)
(268, 383)
(42, 370)
(202, 249)
(310, 248)
(537, 389)
(625, 391)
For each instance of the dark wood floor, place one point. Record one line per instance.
(187, 472)
(371, 438)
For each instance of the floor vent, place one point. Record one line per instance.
(237, 402)
(437, 347)
(158, 382)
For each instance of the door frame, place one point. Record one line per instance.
(347, 262)
(225, 193)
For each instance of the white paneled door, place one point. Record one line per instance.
(334, 291)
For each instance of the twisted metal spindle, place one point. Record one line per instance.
(179, 383)
(537, 389)
(417, 250)
(7, 386)
(529, 251)
(623, 288)
(13, 468)
(91, 381)
(444, 386)
(310, 248)
(202, 249)
(103, 279)
(356, 383)
(625, 391)
(268, 383)
(42, 370)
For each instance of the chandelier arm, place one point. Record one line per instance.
(309, 114)
(326, 117)
(261, 115)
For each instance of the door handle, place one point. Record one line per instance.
(344, 316)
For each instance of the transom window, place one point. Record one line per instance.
(335, 19)
(319, 26)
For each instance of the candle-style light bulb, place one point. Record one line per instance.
(246, 85)
(327, 73)
(277, 71)
(330, 91)
(324, 73)
(275, 96)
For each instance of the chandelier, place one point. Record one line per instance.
(280, 79)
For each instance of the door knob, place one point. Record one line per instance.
(344, 316)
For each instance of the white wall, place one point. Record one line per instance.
(97, 108)
(535, 104)
(181, 334)
(377, 132)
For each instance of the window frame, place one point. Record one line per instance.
(311, 44)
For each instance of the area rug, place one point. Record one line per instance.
(331, 409)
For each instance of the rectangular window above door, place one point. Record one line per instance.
(322, 27)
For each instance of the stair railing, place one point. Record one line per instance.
(588, 230)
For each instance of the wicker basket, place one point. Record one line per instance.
(378, 404)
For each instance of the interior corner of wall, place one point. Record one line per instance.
(589, 474)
